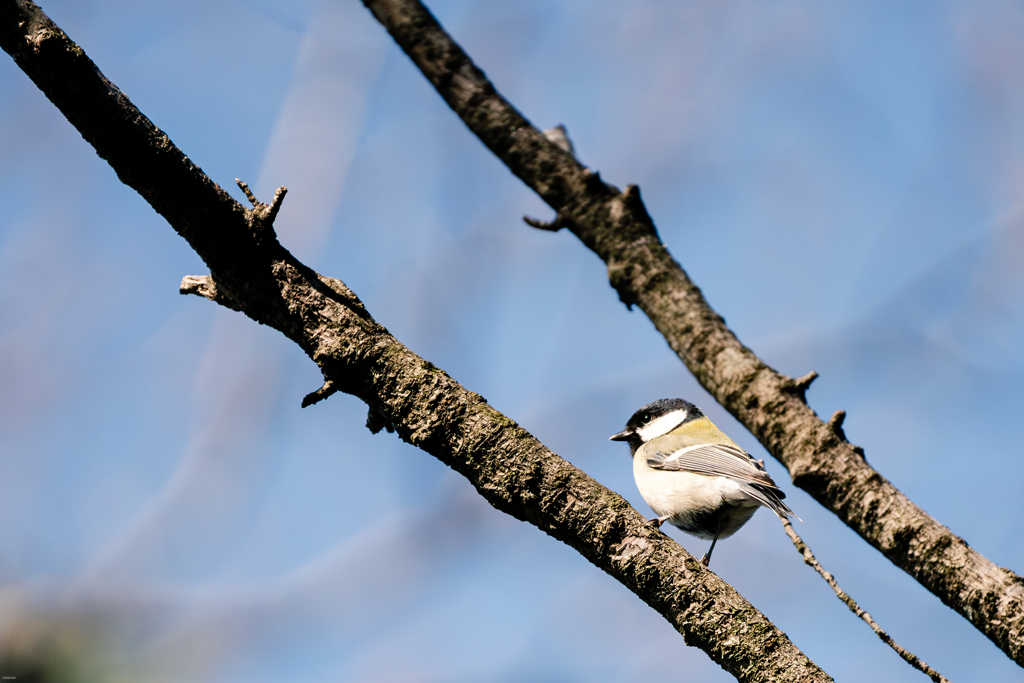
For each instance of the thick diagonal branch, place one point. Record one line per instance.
(616, 226)
(511, 469)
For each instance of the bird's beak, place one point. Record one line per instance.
(621, 436)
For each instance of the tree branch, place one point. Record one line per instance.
(252, 272)
(617, 227)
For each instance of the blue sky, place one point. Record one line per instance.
(844, 181)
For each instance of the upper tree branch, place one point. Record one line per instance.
(616, 226)
(253, 273)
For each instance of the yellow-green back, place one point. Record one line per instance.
(699, 431)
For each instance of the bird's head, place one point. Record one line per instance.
(656, 419)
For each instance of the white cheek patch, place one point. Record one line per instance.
(662, 425)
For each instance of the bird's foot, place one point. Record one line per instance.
(658, 521)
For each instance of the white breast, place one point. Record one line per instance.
(686, 497)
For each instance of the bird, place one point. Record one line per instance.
(694, 476)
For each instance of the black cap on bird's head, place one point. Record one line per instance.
(656, 419)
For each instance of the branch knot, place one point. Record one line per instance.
(554, 225)
(835, 423)
(635, 205)
(261, 216)
(320, 394)
(206, 286)
(798, 386)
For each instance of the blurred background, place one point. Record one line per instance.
(845, 182)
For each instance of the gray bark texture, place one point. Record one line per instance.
(251, 272)
(616, 226)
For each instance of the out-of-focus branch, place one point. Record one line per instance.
(253, 273)
(617, 227)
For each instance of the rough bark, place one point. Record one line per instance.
(617, 227)
(251, 272)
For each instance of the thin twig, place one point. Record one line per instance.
(275, 203)
(248, 193)
(911, 659)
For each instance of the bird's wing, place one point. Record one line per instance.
(721, 459)
(725, 460)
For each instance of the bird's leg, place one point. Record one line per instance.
(658, 521)
(706, 560)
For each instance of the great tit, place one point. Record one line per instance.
(694, 476)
